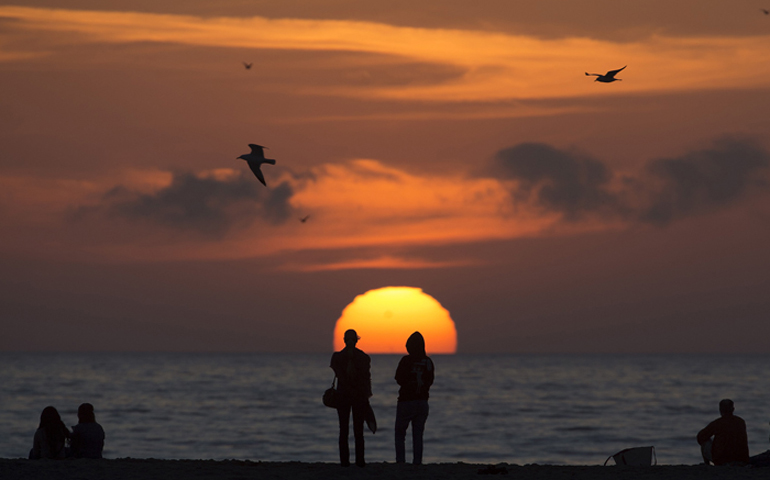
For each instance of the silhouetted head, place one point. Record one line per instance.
(86, 413)
(55, 430)
(415, 345)
(351, 338)
(50, 417)
(726, 407)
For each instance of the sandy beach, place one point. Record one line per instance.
(150, 469)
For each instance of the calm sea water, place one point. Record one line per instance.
(552, 409)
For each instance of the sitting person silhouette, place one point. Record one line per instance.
(50, 437)
(730, 442)
(87, 436)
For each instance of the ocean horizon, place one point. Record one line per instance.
(566, 409)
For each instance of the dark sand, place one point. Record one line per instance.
(148, 469)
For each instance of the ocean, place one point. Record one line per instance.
(544, 409)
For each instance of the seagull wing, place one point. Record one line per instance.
(612, 73)
(597, 74)
(254, 166)
(257, 150)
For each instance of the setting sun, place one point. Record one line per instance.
(384, 318)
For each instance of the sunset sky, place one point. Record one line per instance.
(457, 147)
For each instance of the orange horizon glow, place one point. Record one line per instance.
(358, 204)
(384, 318)
(491, 66)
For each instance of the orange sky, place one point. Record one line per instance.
(430, 144)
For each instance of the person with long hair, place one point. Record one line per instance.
(354, 384)
(87, 435)
(50, 437)
(414, 374)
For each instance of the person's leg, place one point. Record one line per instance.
(705, 450)
(402, 423)
(418, 427)
(343, 412)
(359, 416)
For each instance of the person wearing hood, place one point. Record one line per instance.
(414, 375)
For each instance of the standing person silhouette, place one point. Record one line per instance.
(354, 384)
(415, 375)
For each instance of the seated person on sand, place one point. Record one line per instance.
(87, 436)
(730, 442)
(50, 437)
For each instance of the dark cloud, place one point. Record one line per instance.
(204, 204)
(704, 180)
(666, 189)
(561, 181)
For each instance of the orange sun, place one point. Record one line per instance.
(384, 318)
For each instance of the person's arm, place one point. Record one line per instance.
(706, 433)
(75, 442)
(744, 439)
(101, 440)
(430, 374)
(333, 363)
(402, 372)
(369, 375)
(36, 445)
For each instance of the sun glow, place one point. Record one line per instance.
(384, 318)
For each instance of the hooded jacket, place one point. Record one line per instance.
(415, 371)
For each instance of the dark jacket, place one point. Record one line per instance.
(43, 448)
(731, 443)
(87, 440)
(415, 371)
(353, 369)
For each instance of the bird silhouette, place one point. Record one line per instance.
(607, 77)
(255, 159)
(247, 65)
(765, 11)
(304, 219)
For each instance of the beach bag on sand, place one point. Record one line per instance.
(636, 457)
(331, 396)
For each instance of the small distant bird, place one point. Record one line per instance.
(255, 159)
(304, 219)
(247, 65)
(607, 77)
(765, 11)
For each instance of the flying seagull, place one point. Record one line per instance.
(247, 65)
(255, 159)
(607, 77)
(304, 219)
